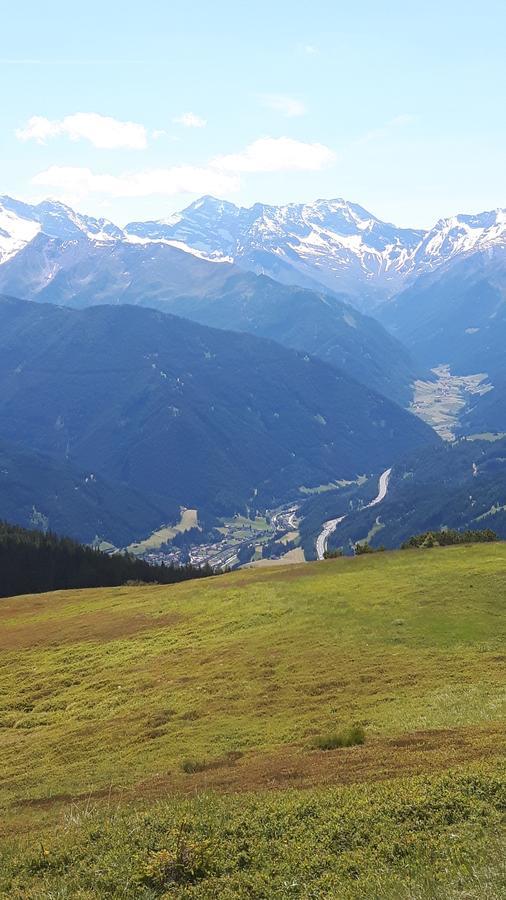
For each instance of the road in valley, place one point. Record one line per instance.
(331, 524)
(382, 488)
(321, 540)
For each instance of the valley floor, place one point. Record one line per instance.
(440, 401)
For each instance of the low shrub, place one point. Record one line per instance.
(448, 537)
(420, 837)
(194, 765)
(186, 862)
(363, 547)
(348, 737)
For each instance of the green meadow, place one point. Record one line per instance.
(187, 740)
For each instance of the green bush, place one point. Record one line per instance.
(194, 765)
(187, 862)
(348, 737)
(363, 547)
(448, 537)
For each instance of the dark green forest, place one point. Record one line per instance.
(32, 562)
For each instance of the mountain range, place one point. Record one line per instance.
(330, 244)
(83, 272)
(185, 415)
(222, 358)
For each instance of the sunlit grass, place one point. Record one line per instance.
(411, 839)
(111, 687)
(116, 703)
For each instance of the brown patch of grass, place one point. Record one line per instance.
(101, 626)
(414, 753)
(66, 799)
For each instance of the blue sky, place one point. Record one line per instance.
(131, 110)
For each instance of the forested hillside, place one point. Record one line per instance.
(459, 485)
(187, 415)
(37, 490)
(33, 562)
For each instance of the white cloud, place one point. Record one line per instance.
(221, 176)
(276, 155)
(310, 49)
(287, 106)
(38, 129)
(81, 181)
(103, 132)
(190, 120)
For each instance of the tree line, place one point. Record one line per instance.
(448, 537)
(33, 561)
(445, 538)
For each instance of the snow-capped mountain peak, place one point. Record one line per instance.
(458, 236)
(334, 244)
(20, 222)
(15, 232)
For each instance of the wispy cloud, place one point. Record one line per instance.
(190, 120)
(276, 155)
(289, 107)
(385, 130)
(101, 131)
(403, 119)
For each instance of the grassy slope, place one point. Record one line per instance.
(419, 839)
(107, 693)
(121, 685)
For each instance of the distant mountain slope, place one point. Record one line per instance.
(331, 244)
(456, 315)
(187, 414)
(488, 413)
(85, 272)
(322, 324)
(334, 243)
(21, 222)
(82, 272)
(38, 491)
(456, 485)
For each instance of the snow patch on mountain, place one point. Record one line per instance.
(458, 236)
(333, 244)
(15, 233)
(23, 221)
(180, 245)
